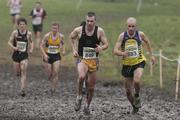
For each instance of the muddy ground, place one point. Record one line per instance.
(109, 102)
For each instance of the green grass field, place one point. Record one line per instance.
(159, 19)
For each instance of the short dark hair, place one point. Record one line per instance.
(91, 14)
(22, 20)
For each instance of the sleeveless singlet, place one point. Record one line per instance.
(87, 44)
(52, 45)
(133, 45)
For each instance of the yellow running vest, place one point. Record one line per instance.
(134, 48)
(53, 46)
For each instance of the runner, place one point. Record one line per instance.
(129, 46)
(15, 10)
(19, 41)
(38, 14)
(89, 37)
(50, 46)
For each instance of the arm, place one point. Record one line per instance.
(117, 49)
(11, 40)
(31, 14)
(44, 14)
(31, 43)
(73, 40)
(104, 41)
(148, 46)
(42, 46)
(62, 44)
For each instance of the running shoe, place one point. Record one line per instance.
(52, 91)
(77, 106)
(135, 110)
(137, 102)
(86, 110)
(23, 94)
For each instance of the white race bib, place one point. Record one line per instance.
(21, 46)
(15, 10)
(132, 51)
(37, 20)
(89, 53)
(53, 49)
(15, 7)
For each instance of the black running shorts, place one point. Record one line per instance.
(53, 58)
(19, 56)
(128, 71)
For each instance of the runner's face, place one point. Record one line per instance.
(90, 21)
(38, 6)
(131, 26)
(22, 26)
(55, 29)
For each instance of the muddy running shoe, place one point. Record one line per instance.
(137, 102)
(135, 110)
(77, 106)
(52, 91)
(86, 110)
(23, 94)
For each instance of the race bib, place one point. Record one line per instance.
(21, 46)
(37, 20)
(89, 53)
(53, 49)
(132, 48)
(15, 8)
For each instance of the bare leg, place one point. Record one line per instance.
(48, 68)
(23, 65)
(128, 87)
(17, 68)
(15, 20)
(55, 72)
(82, 71)
(90, 85)
(137, 77)
(38, 38)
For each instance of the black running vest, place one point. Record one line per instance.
(22, 38)
(88, 41)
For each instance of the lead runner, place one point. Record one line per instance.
(89, 36)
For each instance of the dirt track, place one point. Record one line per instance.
(109, 102)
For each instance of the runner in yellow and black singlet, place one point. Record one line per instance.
(129, 46)
(52, 48)
(51, 45)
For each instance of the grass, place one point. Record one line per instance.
(158, 19)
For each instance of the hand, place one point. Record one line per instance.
(30, 51)
(124, 54)
(46, 57)
(153, 60)
(15, 48)
(75, 53)
(98, 48)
